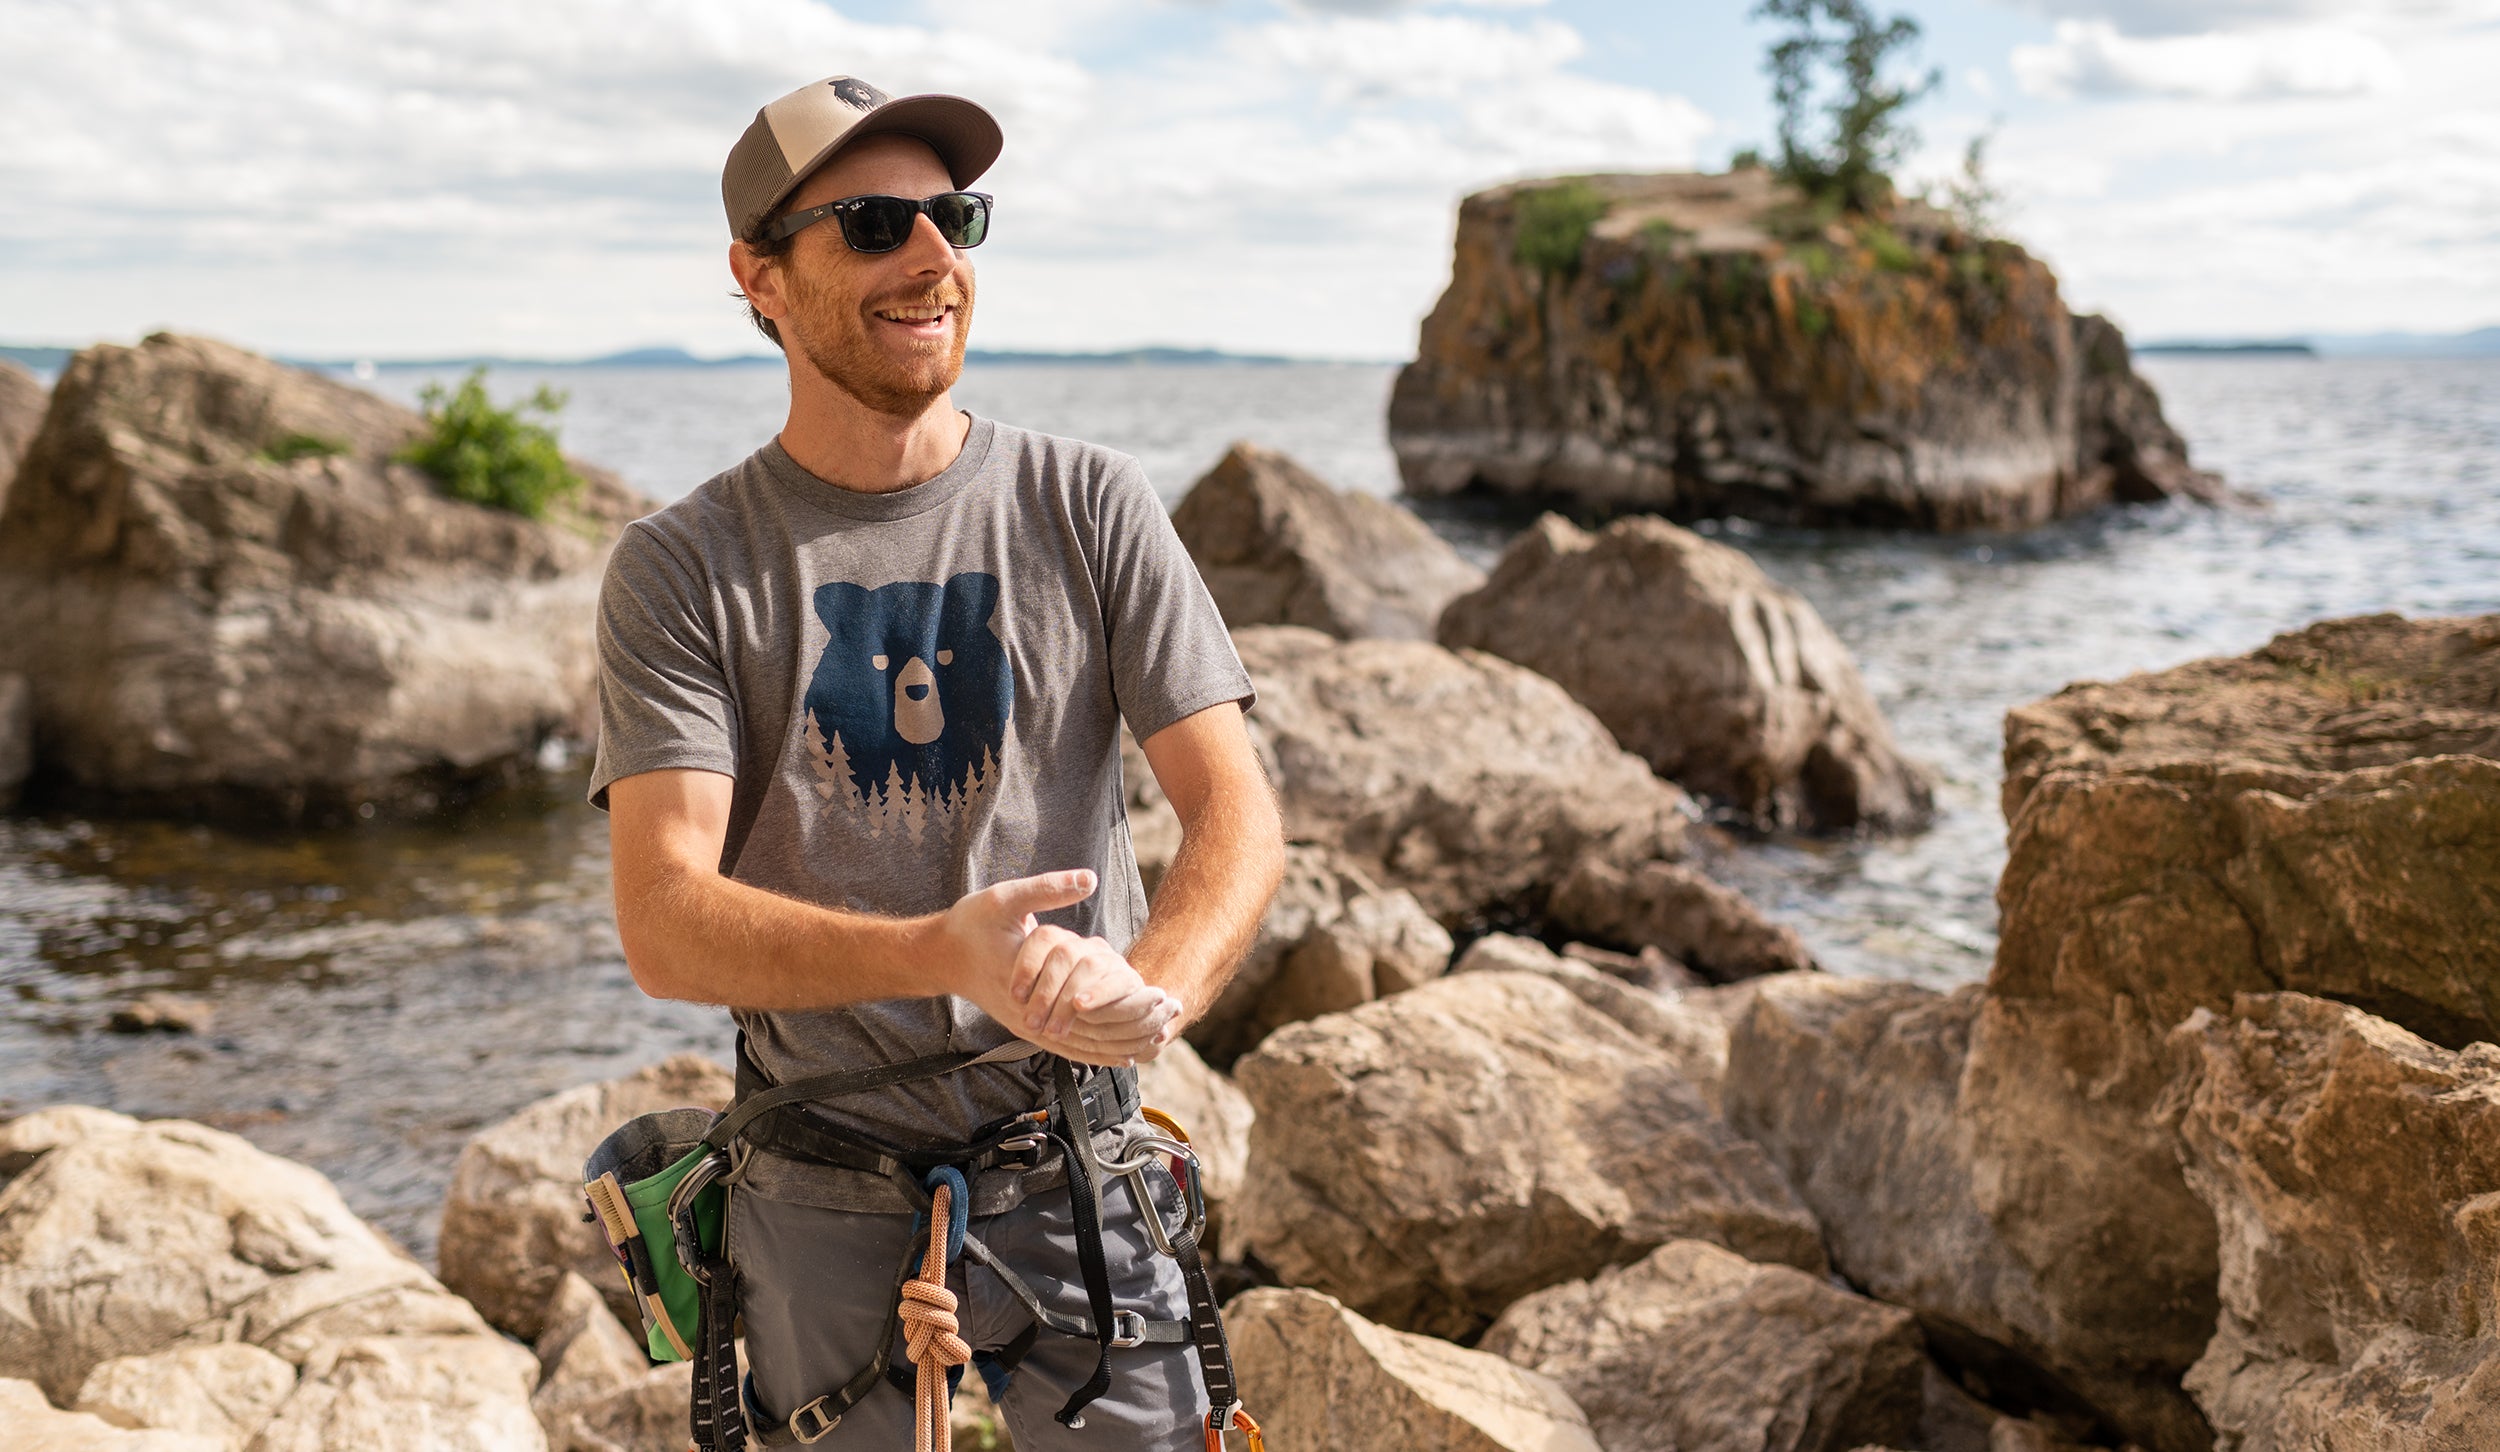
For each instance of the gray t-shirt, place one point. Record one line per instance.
(918, 694)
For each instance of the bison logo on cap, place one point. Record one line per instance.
(907, 709)
(859, 93)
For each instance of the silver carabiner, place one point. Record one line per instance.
(1147, 1152)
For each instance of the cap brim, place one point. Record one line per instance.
(964, 135)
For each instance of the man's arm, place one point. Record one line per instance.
(691, 933)
(1207, 907)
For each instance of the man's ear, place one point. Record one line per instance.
(759, 279)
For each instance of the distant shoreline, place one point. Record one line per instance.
(2289, 348)
(44, 358)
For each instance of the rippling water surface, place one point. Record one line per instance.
(382, 991)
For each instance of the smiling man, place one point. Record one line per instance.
(860, 698)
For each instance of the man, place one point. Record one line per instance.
(860, 700)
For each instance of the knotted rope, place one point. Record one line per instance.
(930, 1331)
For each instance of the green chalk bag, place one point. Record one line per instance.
(654, 1187)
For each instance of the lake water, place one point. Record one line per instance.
(382, 991)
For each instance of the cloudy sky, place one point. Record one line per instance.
(541, 176)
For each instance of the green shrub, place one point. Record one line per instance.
(489, 455)
(1554, 223)
(1891, 253)
(291, 447)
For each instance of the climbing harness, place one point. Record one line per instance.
(665, 1176)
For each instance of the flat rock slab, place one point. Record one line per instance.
(1432, 1157)
(1722, 679)
(1320, 1378)
(1695, 1348)
(1278, 545)
(512, 1221)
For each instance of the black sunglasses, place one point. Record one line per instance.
(881, 224)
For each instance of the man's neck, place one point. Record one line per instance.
(844, 442)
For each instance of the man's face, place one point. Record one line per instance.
(888, 328)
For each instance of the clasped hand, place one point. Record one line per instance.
(1074, 996)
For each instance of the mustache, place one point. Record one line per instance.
(945, 295)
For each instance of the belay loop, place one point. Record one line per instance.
(927, 1309)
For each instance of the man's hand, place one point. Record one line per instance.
(1096, 1009)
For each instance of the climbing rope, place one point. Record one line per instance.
(930, 1331)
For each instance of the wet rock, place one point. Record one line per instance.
(2322, 815)
(410, 1394)
(1695, 1347)
(2354, 1171)
(207, 626)
(23, 399)
(1320, 1378)
(1674, 908)
(1217, 1117)
(1278, 546)
(35, 1425)
(225, 1392)
(1698, 346)
(17, 736)
(1332, 938)
(1469, 781)
(512, 1222)
(1722, 679)
(127, 1243)
(1432, 1157)
(1690, 1031)
(161, 1013)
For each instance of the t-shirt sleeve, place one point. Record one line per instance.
(664, 698)
(1170, 653)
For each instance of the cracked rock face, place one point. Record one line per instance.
(1434, 1156)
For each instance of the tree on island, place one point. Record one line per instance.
(1850, 162)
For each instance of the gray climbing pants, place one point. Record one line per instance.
(816, 1296)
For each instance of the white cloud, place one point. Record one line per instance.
(2092, 58)
(2194, 17)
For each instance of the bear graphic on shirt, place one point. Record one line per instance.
(907, 709)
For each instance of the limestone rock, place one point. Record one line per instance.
(35, 1425)
(1217, 1116)
(1279, 546)
(583, 1351)
(411, 1394)
(28, 1137)
(1322, 1379)
(1722, 679)
(1672, 907)
(2354, 1171)
(23, 399)
(1431, 1157)
(1469, 781)
(1695, 1347)
(1690, 1030)
(1698, 346)
(512, 1222)
(206, 626)
(2322, 815)
(1331, 938)
(123, 1244)
(225, 1391)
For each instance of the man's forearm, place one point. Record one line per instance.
(1206, 910)
(699, 936)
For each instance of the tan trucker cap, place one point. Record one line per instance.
(793, 136)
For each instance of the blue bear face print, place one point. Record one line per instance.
(910, 699)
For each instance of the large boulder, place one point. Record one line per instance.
(1675, 908)
(1854, 1088)
(128, 1250)
(1331, 938)
(512, 1222)
(597, 1390)
(1278, 546)
(23, 399)
(2322, 815)
(1722, 679)
(35, 1425)
(1693, 1347)
(2354, 1171)
(1690, 1028)
(227, 594)
(1431, 1157)
(1320, 1378)
(1470, 781)
(1698, 346)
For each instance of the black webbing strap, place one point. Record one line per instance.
(1206, 1327)
(718, 1418)
(837, 1085)
(1085, 1196)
